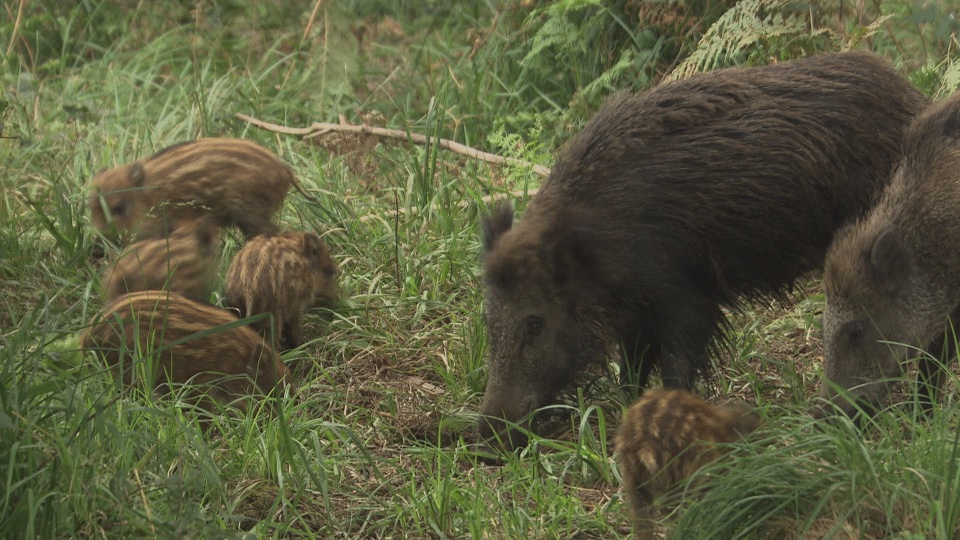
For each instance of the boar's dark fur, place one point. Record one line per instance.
(892, 282)
(673, 203)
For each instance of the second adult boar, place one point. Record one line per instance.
(892, 280)
(673, 203)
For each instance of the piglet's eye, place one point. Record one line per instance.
(534, 326)
(118, 210)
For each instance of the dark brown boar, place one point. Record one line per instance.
(159, 329)
(892, 285)
(236, 181)
(282, 274)
(184, 262)
(664, 438)
(673, 203)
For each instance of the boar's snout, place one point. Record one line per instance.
(98, 251)
(862, 400)
(496, 433)
(106, 243)
(498, 423)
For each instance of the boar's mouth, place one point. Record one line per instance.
(506, 428)
(857, 408)
(97, 251)
(862, 396)
(858, 403)
(104, 245)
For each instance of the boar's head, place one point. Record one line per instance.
(536, 287)
(870, 324)
(118, 200)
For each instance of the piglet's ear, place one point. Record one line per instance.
(137, 174)
(889, 262)
(497, 222)
(314, 248)
(208, 234)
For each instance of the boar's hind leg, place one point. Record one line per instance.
(643, 512)
(678, 369)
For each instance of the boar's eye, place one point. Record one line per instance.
(118, 210)
(534, 326)
(854, 331)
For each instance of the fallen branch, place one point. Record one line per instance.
(413, 210)
(319, 129)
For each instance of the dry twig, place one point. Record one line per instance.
(313, 17)
(481, 41)
(16, 25)
(319, 129)
(413, 210)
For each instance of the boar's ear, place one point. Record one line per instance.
(137, 174)
(568, 251)
(951, 123)
(207, 232)
(313, 248)
(889, 261)
(497, 222)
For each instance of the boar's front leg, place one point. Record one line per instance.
(638, 356)
(686, 341)
(291, 335)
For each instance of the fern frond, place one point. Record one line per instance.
(746, 28)
(950, 80)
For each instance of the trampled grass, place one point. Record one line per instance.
(378, 441)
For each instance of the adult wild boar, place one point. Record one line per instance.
(892, 282)
(673, 203)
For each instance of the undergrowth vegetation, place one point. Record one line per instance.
(377, 442)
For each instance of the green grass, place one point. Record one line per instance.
(377, 444)
(895, 477)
